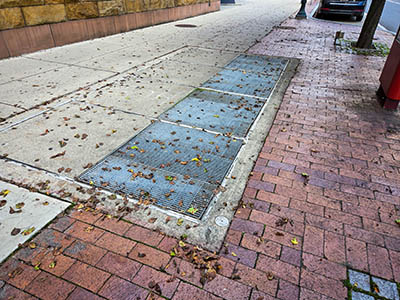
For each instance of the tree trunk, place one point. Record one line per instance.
(370, 24)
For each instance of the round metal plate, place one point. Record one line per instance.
(222, 221)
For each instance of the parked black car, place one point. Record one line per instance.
(342, 7)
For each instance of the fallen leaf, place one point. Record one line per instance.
(89, 165)
(182, 244)
(397, 221)
(4, 193)
(19, 205)
(3, 202)
(32, 245)
(28, 231)
(13, 211)
(234, 254)
(45, 203)
(89, 229)
(375, 287)
(141, 255)
(294, 241)
(37, 267)
(52, 265)
(57, 155)
(62, 143)
(152, 220)
(15, 231)
(305, 174)
(179, 222)
(192, 210)
(172, 253)
(45, 132)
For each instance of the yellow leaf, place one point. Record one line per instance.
(180, 222)
(4, 192)
(32, 245)
(19, 205)
(91, 182)
(80, 206)
(234, 254)
(182, 244)
(36, 267)
(195, 159)
(192, 210)
(294, 241)
(89, 229)
(45, 203)
(216, 116)
(28, 231)
(52, 265)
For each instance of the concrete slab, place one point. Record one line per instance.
(179, 73)
(387, 288)
(360, 296)
(195, 55)
(37, 210)
(129, 57)
(230, 44)
(129, 94)
(20, 67)
(84, 133)
(39, 89)
(361, 280)
(73, 53)
(6, 110)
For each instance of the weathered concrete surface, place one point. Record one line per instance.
(131, 94)
(18, 68)
(43, 87)
(36, 210)
(84, 133)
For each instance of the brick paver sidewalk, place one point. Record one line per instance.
(323, 197)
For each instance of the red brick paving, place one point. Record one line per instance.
(343, 216)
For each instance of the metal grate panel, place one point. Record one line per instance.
(188, 161)
(242, 82)
(185, 151)
(151, 185)
(258, 64)
(225, 113)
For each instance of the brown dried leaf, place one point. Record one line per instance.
(15, 231)
(57, 155)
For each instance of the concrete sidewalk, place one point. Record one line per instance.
(318, 213)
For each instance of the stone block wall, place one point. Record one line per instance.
(20, 13)
(31, 25)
